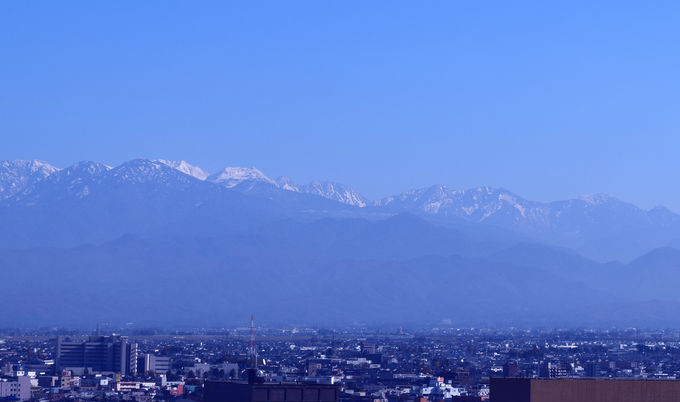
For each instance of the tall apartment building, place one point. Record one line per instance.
(100, 354)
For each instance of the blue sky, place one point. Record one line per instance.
(547, 99)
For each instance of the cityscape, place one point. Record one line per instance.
(361, 364)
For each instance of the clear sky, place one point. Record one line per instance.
(549, 99)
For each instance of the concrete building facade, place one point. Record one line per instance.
(100, 354)
(225, 391)
(148, 363)
(17, 387)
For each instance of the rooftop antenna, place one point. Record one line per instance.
(252, 351)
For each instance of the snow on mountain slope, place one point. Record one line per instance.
(335, 191)
(76, 180)
(477, 204)
(138, 171)
(599, 226)
(285, 183)
(233, 176)
(17, 175)
(246, 179)
(185, 168)
(499, 206)
(19, 179)
(84, 178)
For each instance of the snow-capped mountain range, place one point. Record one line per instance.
(20, 176)
(599, 226)
(246, 179)
(478, 204)
(85, 226)
(489, 204)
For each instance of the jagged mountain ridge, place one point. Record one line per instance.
(89, 202)
(598, 226)
(482, 204)
(476, 204)
(247, 179)
(19, 176)
(88, 224)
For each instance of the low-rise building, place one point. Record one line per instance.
(17, 387)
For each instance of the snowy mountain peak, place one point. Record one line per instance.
(17, 175)
(233, 176)
(76, 180)
(478, 204)
(28, 166)
(146, 171)
(185, 168)
(247, 179)
(285, 183)
(335, 191)
(87, 167)
(596, 199)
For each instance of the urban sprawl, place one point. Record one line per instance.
(361, 364)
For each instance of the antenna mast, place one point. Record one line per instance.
(252, 350)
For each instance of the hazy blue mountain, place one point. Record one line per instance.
(666, 257)
(397, 237)
(652, 276)
(663, 216)
(216, 280)
(655, 273)
(212, 281)
(560, 261)
(599, 226)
